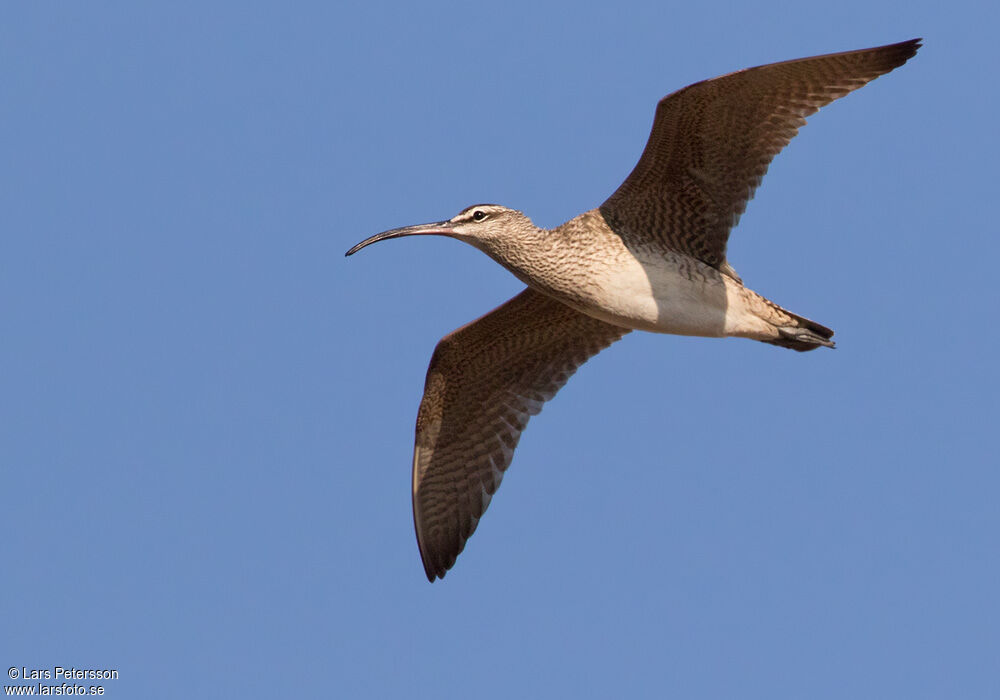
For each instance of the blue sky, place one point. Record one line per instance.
(206, 411)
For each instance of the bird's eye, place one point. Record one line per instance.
(478, 215)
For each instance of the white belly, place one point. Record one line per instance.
(667, 294)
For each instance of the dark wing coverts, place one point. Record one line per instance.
(712, 142)
(484, 382)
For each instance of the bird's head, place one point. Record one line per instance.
(481, 225)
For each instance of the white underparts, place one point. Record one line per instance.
(671, 293)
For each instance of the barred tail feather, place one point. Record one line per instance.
(802, 335)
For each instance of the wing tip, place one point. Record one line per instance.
(433, 569)
(431, 574)
(436, 562)
(891, 56)
(905, 50)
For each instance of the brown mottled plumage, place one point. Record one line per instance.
(712, 143)
(652, 257)
(483, 384)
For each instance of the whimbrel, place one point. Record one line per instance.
(652, 257)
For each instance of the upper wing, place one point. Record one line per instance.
(484, 382)
(712, 142)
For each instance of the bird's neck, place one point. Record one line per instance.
(553, 260)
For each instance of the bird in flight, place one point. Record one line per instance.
(652, 257)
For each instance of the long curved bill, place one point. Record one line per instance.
(438, 228)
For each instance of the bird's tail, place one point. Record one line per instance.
(799, 333)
